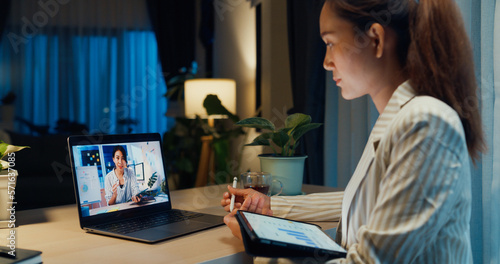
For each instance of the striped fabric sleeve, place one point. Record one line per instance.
(420, 189)
(311, 207)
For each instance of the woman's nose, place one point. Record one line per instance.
(328, 63)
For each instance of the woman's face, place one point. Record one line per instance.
(349, 54)
(119, 160)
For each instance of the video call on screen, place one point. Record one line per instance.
(94, 162)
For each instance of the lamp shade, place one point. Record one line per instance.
(196, 90)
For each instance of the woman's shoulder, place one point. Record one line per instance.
(109, 176)
(425, 117)
(428, 109)
(110, 173)
(129, 171)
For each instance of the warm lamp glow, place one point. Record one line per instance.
(196, 90)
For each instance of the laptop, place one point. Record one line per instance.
(137, 206)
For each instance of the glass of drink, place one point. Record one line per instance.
(261, 182)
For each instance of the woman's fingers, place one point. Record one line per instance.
(236, 207)
(250, 204)
(232, 223)
(226, 199)
(241, 192)
(240, 197)
(258, 204)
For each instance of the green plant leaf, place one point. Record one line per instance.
(214, 106)
(280, 138)
(292, 151)
(296, 120)
(261, 140)
(256, 142)
(3, 148)
(300, 131)
(286, 130)
(7, 148)
(256, 122)
(152, 179)
(4, 165)
(285, 138)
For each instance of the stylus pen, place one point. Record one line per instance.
(231, 207)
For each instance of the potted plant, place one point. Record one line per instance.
(7, 180)
(283, 164)
(182, 145)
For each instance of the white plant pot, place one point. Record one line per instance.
(288, 170)
(6, 193)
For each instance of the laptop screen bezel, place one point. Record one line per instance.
(115, 139)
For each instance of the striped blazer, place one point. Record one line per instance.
(409, 199)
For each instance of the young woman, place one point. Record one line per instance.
(120, 184)
(409, 199)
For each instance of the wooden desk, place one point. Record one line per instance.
(56, 232)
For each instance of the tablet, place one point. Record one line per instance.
(269, 236)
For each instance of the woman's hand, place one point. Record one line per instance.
(114, 194)
(136, 198)
(258, 202)
(232, 223)
(114, 189)
(248, 200)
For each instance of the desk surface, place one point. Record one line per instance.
(56, 232)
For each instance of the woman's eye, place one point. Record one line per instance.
(329, 45)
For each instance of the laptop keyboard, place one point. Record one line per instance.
(150, 221)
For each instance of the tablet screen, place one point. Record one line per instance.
(291, 232)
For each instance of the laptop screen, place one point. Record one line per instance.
(113, 176)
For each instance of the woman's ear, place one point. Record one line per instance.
(376, 33)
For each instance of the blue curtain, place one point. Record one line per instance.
(105, 75)
(482, 20)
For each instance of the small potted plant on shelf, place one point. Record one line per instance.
(283, 164)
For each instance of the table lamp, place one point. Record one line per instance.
(195, 92)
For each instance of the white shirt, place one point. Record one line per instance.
(125, 193)
(409, 199)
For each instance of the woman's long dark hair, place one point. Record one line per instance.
(434, 52)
